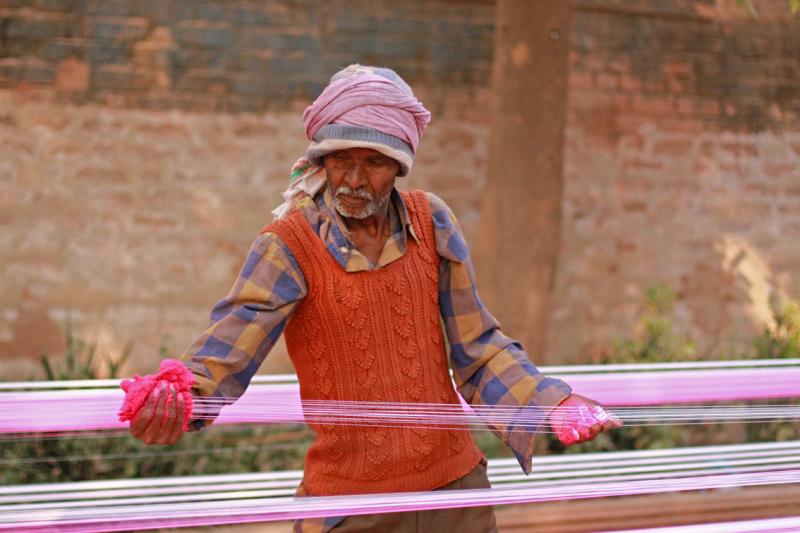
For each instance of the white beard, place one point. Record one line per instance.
(372, 207)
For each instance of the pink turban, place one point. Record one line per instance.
(367, 107)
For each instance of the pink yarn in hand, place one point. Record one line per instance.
(573, 419)
(139, 388)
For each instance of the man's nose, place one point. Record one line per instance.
(355, 177)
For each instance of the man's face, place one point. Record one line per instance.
(360, 181)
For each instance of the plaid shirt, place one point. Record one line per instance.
(489, 367)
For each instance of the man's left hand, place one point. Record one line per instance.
(578, 419)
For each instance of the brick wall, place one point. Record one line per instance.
(682, 167)
(234, 55)
(142, 145)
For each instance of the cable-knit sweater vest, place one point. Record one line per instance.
(374, 336)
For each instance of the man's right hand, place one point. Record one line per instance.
(160, 420)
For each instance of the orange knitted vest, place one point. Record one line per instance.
(374, 336)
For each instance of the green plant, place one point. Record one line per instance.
(794, 7)
(781, 338)
(41, 458)
(80, 360)
(113, 455)
(657, 340)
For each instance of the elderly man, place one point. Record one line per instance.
(357, 274)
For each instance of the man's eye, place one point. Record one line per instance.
(377, 162)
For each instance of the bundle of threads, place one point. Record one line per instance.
(138, 389)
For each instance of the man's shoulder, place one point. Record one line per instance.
(441, 213)
(434, 202)
(301, 205)
(450, 242)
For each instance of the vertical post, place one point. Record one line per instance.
(519, 235)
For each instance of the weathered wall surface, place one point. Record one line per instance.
(135, 222)
(682, 167)
(142, 145)
(242, 55)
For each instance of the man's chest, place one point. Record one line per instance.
(371, 247)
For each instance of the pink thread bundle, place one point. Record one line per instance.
(139, 388)
(574, 421)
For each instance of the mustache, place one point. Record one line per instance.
(357, 193)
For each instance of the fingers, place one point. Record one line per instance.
(145, 415)
(169, 418)
(568, 436)
(612, 423)
(583, 421)
(181, 418)
(153, 433)
(585, 432)
(179, 411)
(160, 420)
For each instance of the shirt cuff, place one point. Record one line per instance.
(203, 387)
(547, 395)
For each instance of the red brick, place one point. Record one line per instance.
(630, 83)
(629, 122)
(652, 105)
(580, 80)
(607, 81)
(117, 28)
(618, 67)
(686, 107)
(740, 149)
(632, 142)
(676, 67)
(621, 101)
(779, 170)
(123, 78)
(733, 169)
(627, 185)
(155, 221)
(642, 164)
(634, 206)
(708, 107)
(677, 85)
(657, 85)
(689, 124)
(790, 210)
(72, 75)
(672, 148)
(766, 189)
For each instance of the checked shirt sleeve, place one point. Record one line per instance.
(489, 368)
(246, 323)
